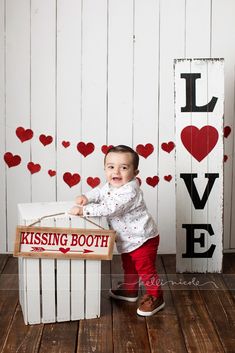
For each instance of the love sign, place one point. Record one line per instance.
(66, 243)
(199, 110)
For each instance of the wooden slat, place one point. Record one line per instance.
(197, 327)
(59, 338)
(96, 335)
(165, 323)
(8, 298)
(129, 330)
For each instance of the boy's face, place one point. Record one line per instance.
(119, 168)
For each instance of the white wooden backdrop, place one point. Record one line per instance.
(102, 72)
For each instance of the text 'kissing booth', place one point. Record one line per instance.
(60, 262)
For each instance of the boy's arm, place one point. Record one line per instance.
(112, 205)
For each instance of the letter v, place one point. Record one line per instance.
(190, 185)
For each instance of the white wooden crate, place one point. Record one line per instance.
(53, 290)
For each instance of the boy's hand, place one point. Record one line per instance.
(76, 211)
(81, 200)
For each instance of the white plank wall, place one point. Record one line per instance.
(102, 72)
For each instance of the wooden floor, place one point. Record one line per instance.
(199, 316)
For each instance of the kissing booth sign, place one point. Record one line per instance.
(199, 109)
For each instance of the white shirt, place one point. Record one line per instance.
(126, 213)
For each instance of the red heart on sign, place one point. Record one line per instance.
(106, 148)
(45, 140)
(33, 168)
(65, 144)
(85, 148)
(199, 142)
(152, 181)
(227, 130)
(168, 146)
(51, 172)
(64, 250)
(93, 182)
(11, 160)
(24, 134)
(168, 177)
(145, 151)
(71, 179)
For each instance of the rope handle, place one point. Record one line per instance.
(60, 214)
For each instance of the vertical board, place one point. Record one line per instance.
(146, 92)
(68, 95)
(199, 164)
(171, 46)
(17, 97)
(120, 72)
(33, 291)
(222, 35)
(62, 282)
(94, 86)
(47, 273)
(77, 279)
(3, 245)
(43, 14)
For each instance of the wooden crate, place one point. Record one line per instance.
(53, 289)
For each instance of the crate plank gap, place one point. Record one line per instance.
(55, 289)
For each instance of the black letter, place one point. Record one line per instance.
(190, 240)
(191, 96)
(198, 203)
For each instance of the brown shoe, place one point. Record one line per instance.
(123, 294)
(150, 305)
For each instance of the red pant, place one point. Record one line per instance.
(140, 263)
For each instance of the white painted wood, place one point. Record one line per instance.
(63, 282)
(146, 92)
(171, 47)
(93, 288)
(47, 271)
(77, 279)
(120, 72)
(94, 86)
(223, 35)
(33, 291)
(17, 96)
(3, 238)
(43, 17)
(210, 84)
(68, 93)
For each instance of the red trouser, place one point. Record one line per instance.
(140, 263)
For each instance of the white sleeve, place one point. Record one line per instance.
(93, 195)
(112, 205)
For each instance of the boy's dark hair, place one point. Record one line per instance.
(125, 149)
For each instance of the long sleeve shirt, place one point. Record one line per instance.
(126, 213)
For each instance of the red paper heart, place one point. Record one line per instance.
(168, 177)
(152, 181)
(71, 179)
(199, 142)
(225, 158)
(106, 148)
(85, 148)
(51, 172)
(93, 182)
(227, 130)
(33, 168)
(168, 146)
(45, 140)
(64, 250)
(65, 144)
(12, 160)
(145, 151)
(24, 134)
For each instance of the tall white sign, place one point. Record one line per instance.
(199, 110)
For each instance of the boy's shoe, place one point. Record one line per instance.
(123, 294)
(150, 305)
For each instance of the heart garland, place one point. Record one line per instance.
(45, 140)
(71, 179)
(168, 146)
(152, 181)
(24, 134)
(12, 160)
(145, 151)
(33, 168)
(85, 148)
(93, 182)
